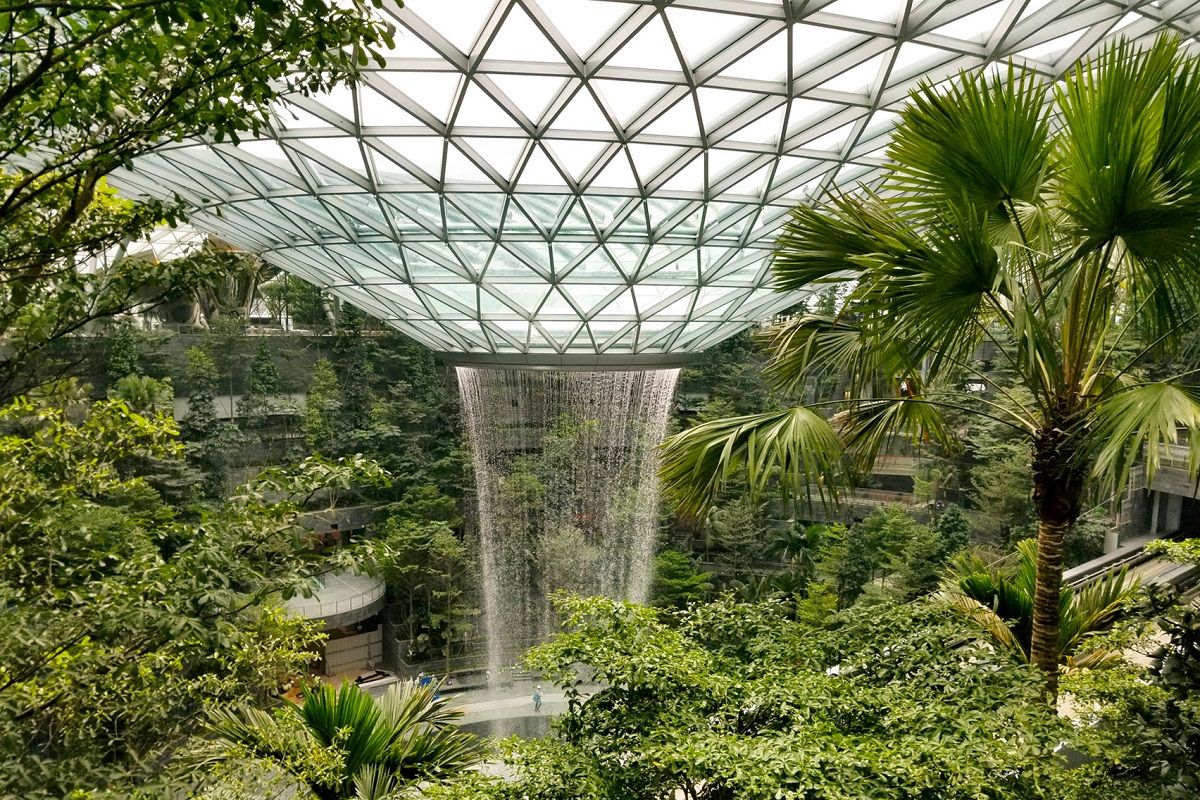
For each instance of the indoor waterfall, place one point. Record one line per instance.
(567, 486)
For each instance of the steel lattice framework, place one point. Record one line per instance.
(579, 178)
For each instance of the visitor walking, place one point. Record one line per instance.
(537, 699)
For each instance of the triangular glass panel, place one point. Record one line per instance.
(342, 150)
(678, 120)
(753, 184)
(543, 209)
(584, 23)
(460, 21)
(531, 94)
(596, 265)
(721, 162)
(500, 152)
(621, 307)
(576, 155)
(858, 78)
(717, 105)
(764, 130)
(506, 265)
(649, 48)
(485, 207)
(565, 253)
(460, 169)
(617, 174)
(424, 152)
(678, 308)
(815, 45)
(576, 223)
(472, 255)
(526, 297)
(627, 99)
(590, 297)
(387, 171)
(582, 114)
(874, 10)
(689, 179)
(520, 40)
(556, 304)
(649, 159)
(540, 171)
(480, 111)
(515, 221)
(1046, 51)
(432, 91)
(380, 111)
(768, 61)
(702, 33)
(976, 26)
(339, 100)
(833, 141)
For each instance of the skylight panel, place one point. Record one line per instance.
(585, 23)
(678, 120)
(766, 62)
(500, 152)
(649, 48)
(627, 99)
(432, 91)
(701, 33)
(459, 21)
(480, 111)
(874, 10)
(519, 39)
(582, 114)
(977, 26)
(425, 152)
(858, 78)
(531, 94)
(577, 155)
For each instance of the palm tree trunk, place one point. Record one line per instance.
(1043, 650)
(1057, 487)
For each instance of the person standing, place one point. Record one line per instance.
(537, 698)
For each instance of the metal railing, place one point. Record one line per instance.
(315, 608)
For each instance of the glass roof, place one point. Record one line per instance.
(592, 177)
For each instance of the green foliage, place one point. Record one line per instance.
(1000, 598)
(738, 534)
(123, 357)
(91, 87)
(1144, 743)
(734, 700)
(677, 583)
(953, 530)
(1185, 551)
(207, 440)
(343, 743)
(426, 568)
(143, 394)
(1059, 245)
(125, 617)
(322, 406)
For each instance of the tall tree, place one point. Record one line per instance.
(126, 618)
(88, 87)
(1055, 220)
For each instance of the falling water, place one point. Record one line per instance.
(566, 479)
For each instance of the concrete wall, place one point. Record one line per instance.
(358, 651)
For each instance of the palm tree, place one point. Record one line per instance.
(999, 597)
(344, 743)
(1053, 222)
(798, 546)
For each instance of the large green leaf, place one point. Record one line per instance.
(1143, 421)
(796, 446)
(980, 142)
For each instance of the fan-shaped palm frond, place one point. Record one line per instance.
(344, 743)
(996, 596)
(796, 445)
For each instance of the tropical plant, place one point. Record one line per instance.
(143, 394)
(344, 743)
(1000, 598)
(88, 87)
(1054, 221)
